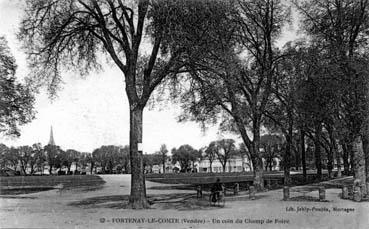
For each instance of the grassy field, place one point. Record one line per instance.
(27, 184)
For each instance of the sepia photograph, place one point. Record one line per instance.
(184, 114)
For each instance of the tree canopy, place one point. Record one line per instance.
(16, 100)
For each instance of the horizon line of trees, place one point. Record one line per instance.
(35, 158)
(115, 159)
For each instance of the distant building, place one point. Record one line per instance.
(51, 139)
(46, 167)
(234, 164)
(169, 167)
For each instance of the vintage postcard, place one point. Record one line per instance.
(184, 114)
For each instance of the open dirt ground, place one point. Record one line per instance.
(174, 208)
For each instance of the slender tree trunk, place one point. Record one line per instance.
(330, 151)
(330, 162)
(346, 166)
(138, 191)
(303, 153)
(224, 167)
(352, 156)
(365, 138)
(211, 164)
(92, 167)
(103, 168)
(335, 151)
(318, 159)
(266, 165)
(23, 168)
(297, 160)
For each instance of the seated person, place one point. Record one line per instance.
(215, 190)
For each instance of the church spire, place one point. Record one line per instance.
(51, 140)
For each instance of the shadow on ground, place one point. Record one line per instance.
(18, 197)
(171, 187)
(175, 201)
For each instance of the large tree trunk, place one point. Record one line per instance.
(287, 159)
(359, 163)
(303, 153)
(138, 191)
(258, 163)
(253, 147)
(258, 174)
(287, 162)
(318, 159)
(366, 154)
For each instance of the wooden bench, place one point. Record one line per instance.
(304, 190)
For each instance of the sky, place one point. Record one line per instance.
(93, 111)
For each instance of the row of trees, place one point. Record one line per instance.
(316, 88)
(32, 159)
(110, 158)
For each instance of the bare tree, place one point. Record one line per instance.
(225, 150)
(235, 80)
(210, 154)
(73, 33)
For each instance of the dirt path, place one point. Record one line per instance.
(103, 209)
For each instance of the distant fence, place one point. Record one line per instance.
(49, 181)
(277, 177)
